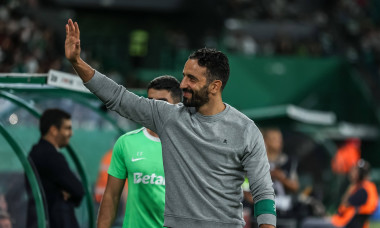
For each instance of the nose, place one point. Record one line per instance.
(183, 83)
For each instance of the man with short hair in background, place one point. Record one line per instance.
(137, 156)
(62, 189)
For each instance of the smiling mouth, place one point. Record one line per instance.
(186, 94)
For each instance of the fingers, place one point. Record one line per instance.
(67, 30)
(72, 28)
(77, 28)
(68, 27)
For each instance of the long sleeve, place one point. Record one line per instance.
(148, 112)
(65, 178)
(55, 173)
(256, 165)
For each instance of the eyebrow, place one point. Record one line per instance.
(190, 76)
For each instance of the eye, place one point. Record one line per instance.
(192, 78)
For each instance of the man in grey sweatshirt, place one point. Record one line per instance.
(208, 146)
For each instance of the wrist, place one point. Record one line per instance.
(75, 62)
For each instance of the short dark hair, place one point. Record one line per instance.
(216, 63)
(52, 117)
(169, 83)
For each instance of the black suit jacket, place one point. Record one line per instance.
(55, 176)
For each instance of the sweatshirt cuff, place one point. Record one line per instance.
(266, 219)
(95, 82)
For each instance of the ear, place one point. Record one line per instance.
(215, 86)
(53, 130)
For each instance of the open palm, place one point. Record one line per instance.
(72, 42)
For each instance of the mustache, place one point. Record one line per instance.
(188, 90)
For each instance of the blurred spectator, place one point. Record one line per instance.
(357, 204)
(284, 175)
(360, 199)
(63, 190)
(3, 203)
(101, 183)
(283, 169)
(5, 220)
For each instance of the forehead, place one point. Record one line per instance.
(158, 94)
(66, 123)
(272, 134)
(192, 68)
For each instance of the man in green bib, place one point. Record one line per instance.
(137, 156)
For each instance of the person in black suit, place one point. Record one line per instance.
(62, 189)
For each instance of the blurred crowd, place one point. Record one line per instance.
(314, 28)
(345, 28)
(26, 45)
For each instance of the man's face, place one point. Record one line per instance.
(273, 141)
(64, 133)
(3, 203)
(5, 223)
(162, 94)
(194, 84)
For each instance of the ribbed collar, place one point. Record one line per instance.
(213, 118)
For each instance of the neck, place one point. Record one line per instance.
(152, 133)
(214, 106)
(51, 140)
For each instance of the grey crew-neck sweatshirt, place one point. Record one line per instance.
(205, 157)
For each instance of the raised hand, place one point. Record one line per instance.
(72, 42)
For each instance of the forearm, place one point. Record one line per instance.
(107, 211)
(264, 208)
(258, 173)
(291, 185)
(84, 71)
(266, 226)
(263, 195)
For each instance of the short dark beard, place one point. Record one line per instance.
(198, 98)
